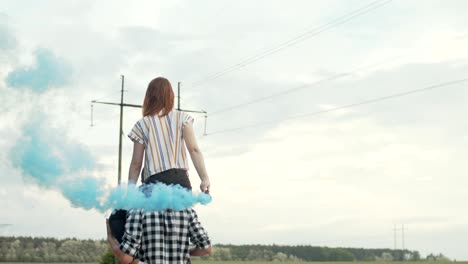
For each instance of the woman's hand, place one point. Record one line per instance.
(205, 186)
(109, 233)
(110, 238)
(114, 245)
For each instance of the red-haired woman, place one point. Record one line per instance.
(161, 138)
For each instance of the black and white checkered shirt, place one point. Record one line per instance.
(163, 237)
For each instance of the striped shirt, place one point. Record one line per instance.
(164, 146)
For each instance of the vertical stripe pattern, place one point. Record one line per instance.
(164, 146)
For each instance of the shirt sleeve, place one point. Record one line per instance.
(198, 235)
(131, 240)
(187, 118)
(137, 133)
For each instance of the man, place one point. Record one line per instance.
(160, 237)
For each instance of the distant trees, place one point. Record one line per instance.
(386, 257)
(305, 253)
(28, 249)
(440, 257)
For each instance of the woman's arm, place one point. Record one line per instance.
(197, 156)
(136, 163)
(114, 245)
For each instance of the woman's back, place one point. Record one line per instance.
(162, 137)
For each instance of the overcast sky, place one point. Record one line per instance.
(342, 178)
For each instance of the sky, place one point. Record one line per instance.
(280, 173)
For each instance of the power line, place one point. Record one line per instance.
(111, 94)
(369, 101)
(301, 87)
(308, 34)
(293, 41)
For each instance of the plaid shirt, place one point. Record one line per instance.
(163, 237)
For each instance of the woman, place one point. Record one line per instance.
(161, 137)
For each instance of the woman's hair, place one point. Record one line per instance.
(159, 97)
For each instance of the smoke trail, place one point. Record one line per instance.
(46, 156)
(48, 71)
(88, 193)
(92, 193)
(52, 162)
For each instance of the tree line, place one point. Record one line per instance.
(28, 249)
(38, 249)
(306, 253)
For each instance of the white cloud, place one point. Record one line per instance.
(306, 177)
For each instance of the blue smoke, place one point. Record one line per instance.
(89, 193)
(45, 157)
(49, 71)
(54, 163)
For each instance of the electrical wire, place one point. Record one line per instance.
(304, 86)
(106, 96)
(293, 41)
(365, 102)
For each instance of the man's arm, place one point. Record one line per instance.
(114, 245)
(198, 252)
(198, 236)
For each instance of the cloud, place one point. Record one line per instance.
(7, 40)
(312, 180)
(48, 71)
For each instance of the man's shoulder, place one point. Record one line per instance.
(187, 212)
(134, 211)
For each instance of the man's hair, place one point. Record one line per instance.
(159, 97)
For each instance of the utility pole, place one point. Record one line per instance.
(403, 237)
(395, 231)
(191, 111)
(178, 96)
(122, 104)
(121, 132)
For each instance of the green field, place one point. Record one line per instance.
(264, 262)
(328, 262)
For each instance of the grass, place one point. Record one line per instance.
(265, 262)
(326, 262)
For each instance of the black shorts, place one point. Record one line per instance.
(171, 176)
